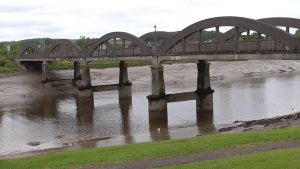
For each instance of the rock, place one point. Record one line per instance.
(34, 143)
(60, 136)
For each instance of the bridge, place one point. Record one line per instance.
(270, 42)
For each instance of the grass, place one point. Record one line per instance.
(117, 154)
(279, 159)
(7, 66)
(97, 64)
(8, 69)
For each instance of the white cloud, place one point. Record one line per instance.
(71, 18)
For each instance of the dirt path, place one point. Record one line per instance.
(184, 159)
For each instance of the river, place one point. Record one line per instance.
(59, 119)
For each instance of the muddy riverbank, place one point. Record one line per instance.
(290, 120)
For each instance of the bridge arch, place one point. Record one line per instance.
(138, 43)
(30, 50)
(63, 48)
(246, 23)
(275, 21)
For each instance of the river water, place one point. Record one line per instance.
(57, 119)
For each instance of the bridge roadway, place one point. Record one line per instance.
(270, 42)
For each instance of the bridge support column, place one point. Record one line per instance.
(85, 89)
(77, 74)
(124, 84)
(46, 82)
(203, 79)
(157, 101)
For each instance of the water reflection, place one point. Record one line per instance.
(158, 121)
(85, 110)
(125, 107)
(158, 125)
(42, 106)
(204, 113)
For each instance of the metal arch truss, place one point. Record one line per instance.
(122, 44)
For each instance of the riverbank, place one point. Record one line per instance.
(155, 150)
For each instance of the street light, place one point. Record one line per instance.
(154, 36)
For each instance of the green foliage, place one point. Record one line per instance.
(81, 41)
(298, 33)
(6, 65)
(7, 69)
(117, 154)
(278, 159)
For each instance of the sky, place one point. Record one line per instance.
(70, 19)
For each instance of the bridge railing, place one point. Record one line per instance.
(62, 54)
(263, 46)
(127, 52)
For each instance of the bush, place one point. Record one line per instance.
(11, 64)
(3, 61)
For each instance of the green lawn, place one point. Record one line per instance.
(8, 69)
(125, 153)
(279, 159)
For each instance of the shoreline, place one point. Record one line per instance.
(279, 122)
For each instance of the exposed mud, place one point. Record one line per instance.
(265, 124)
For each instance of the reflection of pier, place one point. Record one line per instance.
(158, 120)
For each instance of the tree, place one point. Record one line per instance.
(81, 41)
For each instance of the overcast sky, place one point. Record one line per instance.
(24, 19)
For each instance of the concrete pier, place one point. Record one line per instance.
(203, 78)
(46, 82)
(85, 89)
(77, 74)
(124, 84)
(157, 101)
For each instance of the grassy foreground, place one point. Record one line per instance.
(279, 159)
(117, 154)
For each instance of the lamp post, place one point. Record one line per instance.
(154, 36)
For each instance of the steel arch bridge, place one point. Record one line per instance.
(276, 44)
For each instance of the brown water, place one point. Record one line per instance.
(57, 118)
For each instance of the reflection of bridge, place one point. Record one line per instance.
(270, 43)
